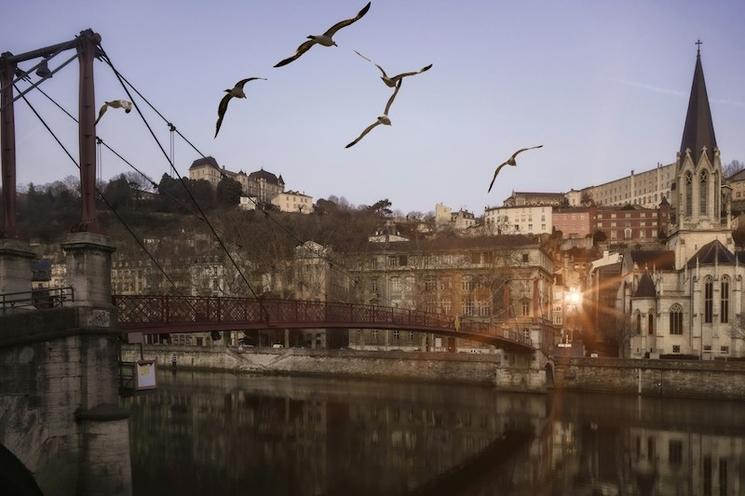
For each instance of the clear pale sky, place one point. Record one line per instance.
(603, 85)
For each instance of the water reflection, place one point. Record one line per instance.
(222, 434)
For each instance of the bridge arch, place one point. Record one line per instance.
(15, 478)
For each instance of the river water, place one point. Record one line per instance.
(222, 434)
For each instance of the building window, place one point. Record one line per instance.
(689, 193)
(638, 323)
(724, 303)
(396, 335)
(703, 192)
(650, 323)
(675, 452)
(676, 348)
(676, 319)
(526, 308)
(627, 233)
(395, 284)
(708, 301)
(724, 349)
(525, 257)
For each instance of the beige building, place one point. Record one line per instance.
(645, 188)
(262, 185)
(443, 215)
(506, 280)
(519, 220)
(737, 182)
(293, 201)
(207, 169)
(528, 198)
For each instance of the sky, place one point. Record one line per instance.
(603, 85)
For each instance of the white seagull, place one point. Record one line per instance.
(326, 39)
(382, 119)
(236, 92)
(391, 81)
(122, 104)
(510, 161)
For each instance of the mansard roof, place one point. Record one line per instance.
(654, 259)
(205, 161)
(699, 127)
(646, 288)
(710, 253)
(267, 176)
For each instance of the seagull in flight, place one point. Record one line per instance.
(382, 119)
(391, 81)
(236, 92)
(122, 104)
(326, 39)
(510, 161)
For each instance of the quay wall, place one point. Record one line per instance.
(666, 378)
(485, 369)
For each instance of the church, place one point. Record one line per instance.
(684, 299)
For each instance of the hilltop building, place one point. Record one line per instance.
(262, 185)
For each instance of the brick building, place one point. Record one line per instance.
(573, 222)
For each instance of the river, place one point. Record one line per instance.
(222, 434)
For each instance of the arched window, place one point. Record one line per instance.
(724, 302)
(689, 193)
(638, 323)
(716, 198)
(708, 300)
(676, 319)
(703, 193)
(650, 323)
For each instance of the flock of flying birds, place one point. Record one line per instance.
(326, 40)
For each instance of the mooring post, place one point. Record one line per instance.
(87, 46)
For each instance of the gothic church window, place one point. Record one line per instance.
(708, 301)
(676, 319)
(703, 192)
(650, 323)
(689, 193)
(724, 303)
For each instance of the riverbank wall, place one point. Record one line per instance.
(665, 378)
(458, 368)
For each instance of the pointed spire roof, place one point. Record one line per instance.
(646, 287)
(699, 127)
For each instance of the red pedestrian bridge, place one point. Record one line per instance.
(185, 314)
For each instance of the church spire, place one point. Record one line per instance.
(699, 128)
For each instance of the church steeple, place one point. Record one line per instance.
(699, 127)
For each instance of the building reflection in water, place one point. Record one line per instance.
(221, 434)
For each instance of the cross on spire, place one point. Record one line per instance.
(698, 47)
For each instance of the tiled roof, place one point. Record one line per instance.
(654, 259)
(266, 176)
(646, 287)
(710, 253)
(204, 161)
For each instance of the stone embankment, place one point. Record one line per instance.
(486, 369)
(670, 378)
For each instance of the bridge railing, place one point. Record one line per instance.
(142, 310)
(36, 299)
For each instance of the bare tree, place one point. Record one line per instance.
(732, 168)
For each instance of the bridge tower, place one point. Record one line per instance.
(59, 365)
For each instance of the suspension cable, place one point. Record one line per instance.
(333, 264)
(108, 204)
(107, 60)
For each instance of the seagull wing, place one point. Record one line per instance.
(393, 96)
(104, 107)
(524, 149)
(406, 74)
(381, 70)
(342, 24)
(127, 106)
(304, 47)
(499, 168)
(358, 53)
(367, 130)
(242, 82)
(221, 109)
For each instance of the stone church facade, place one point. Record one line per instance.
(685, 297)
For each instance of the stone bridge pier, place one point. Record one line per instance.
(59, 380)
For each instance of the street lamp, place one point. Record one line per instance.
(573, 300)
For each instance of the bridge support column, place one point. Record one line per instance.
(15, 267)
(88, 260)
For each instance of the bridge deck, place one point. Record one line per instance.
(182, 314)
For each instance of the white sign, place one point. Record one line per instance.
(145, 374)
